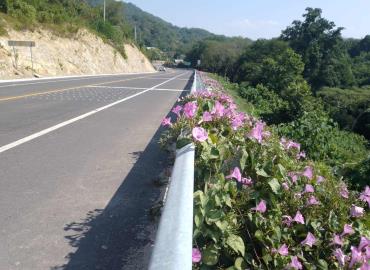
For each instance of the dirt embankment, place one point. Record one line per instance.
(84, 53)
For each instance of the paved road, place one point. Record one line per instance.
(77, 160)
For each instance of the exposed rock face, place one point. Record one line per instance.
(84, 53)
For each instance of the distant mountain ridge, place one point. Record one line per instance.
(155, 32)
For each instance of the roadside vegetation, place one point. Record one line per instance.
(260, 201)
(66, 17)
(310, 85)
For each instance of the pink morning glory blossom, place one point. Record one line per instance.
(207, 117)
(320, 179)
(190, 109)
(299, 218)
(312, 200)
(293, 176)
(364, 243)
(196, 255)
(337, 240)
(283, 250)
(309, 189)
(246, 181)
(177, 110)
(301, 155)
(356, 211)
(166, 122)
(356, 256)
(344, 191)
(295, 264)
(200, 134)
(237, 121)
(218, 109)
(285, 186)
(287, 220)
(365, 195)
(257, 131)
(347, 230)
(310, 240)
(261, 207)
(341, 258)
(308, 172)
(235, 174)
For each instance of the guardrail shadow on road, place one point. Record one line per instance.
(121, 236)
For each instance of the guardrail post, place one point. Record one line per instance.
(174, 241)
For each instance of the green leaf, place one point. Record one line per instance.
(322, 265)
(275, 185)
(236, 243)
(198, 218)
(240, 264)
(259, 235)
(210, 255)
(282, 170)
(261, 172)
(214, 215)
(183, 142)
(243, 159)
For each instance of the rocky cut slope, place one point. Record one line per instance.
(83, 53)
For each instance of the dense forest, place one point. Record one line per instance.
(310, 83)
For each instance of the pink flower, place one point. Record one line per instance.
(312, 200)
(200, 134)
(177, 110)
(218, 109)
(347, 230)
(365, 195)
(293, 176)
(285, 186)
(196, 255)
(283, 250)
(320, 179)
(207, 117)
(301, 155)
(298, 218)
(309, 189)
(166, 122)
(247, 181)
(341, 258)
(257, 131)
(308, 172)
(235, 174)
(190, 109)
(337, 240)
(364, 243)
(310, 240)
(287, 220)
(344, 191)
(237, 121)
(295, 264)
(357, 211)
(292, 144)
(261, 207)
(356, 257)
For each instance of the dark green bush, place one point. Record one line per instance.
(321, 138)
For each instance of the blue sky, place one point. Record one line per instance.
(258, 18)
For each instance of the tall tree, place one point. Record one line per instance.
(320, 44)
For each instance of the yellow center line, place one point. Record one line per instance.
(67, 89)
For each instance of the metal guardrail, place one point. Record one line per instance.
(174, 240)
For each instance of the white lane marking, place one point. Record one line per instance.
(78, 78)
(137, 88)
(68, 122)
(170, 90)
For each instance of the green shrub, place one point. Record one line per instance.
(321, 138)
(23, 11)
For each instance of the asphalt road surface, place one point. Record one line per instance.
(77, 162)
